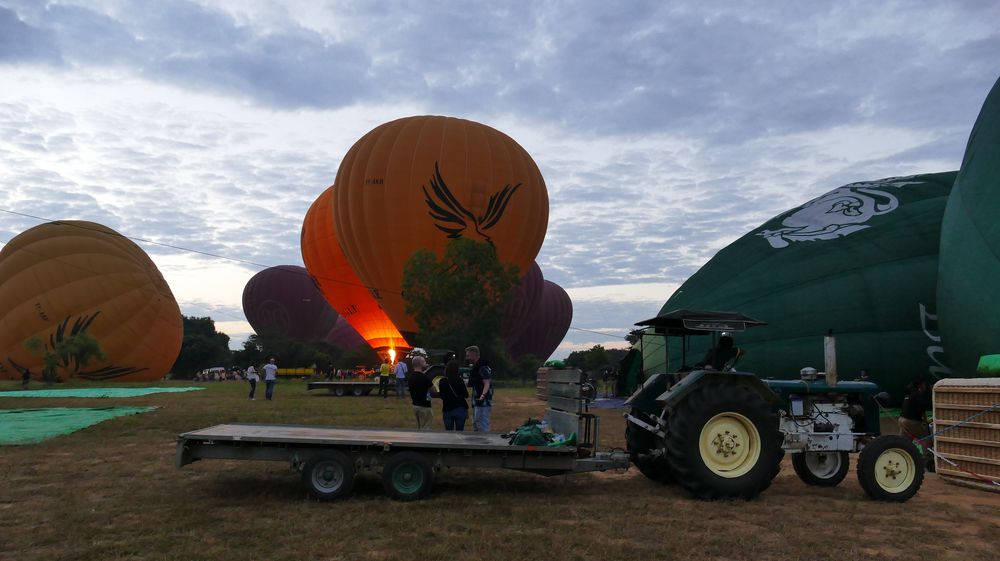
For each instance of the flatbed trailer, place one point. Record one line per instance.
(345, 387)
(329, 457)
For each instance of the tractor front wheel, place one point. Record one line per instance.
(890, 469)
(825, 469)
(723, 442)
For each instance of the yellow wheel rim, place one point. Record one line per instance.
(895, 470)
(729, 445)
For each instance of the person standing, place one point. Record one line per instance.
(400, 371)
(451, 389)
(420, 393)
(481, 381)
(913, 418)
(25, 378)
(384, 372)
(270, 376)
(252, 377)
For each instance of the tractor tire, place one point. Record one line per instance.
(890, 468)
(329, 475)
(824, 469)
(723, 442)
(640, 442)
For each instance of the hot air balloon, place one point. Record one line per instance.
(522, 302)
(417, 182)
(62, 278)
(285, 301)
(548, 325)
(344, 336)
(860, 260)
(341, 287)
(969, 270)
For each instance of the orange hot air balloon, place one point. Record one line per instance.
(344, 291)
(417, 182)
(61, 278)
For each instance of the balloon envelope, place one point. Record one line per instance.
(64, 277)
(417, 182)
(548, 325)
(860, 260)
(522, 302)
(285, 301)
(969, 270)
(344, 336)
(341, 287)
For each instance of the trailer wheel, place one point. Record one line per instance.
(890, 469)
(358, 392)
(639, 443)
(723, 442)
(407, 476)
(329, 475)
(825, 469)
(339, 391)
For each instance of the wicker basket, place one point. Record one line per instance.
(974, 445)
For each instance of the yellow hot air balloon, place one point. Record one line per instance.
(417, 182)
(61, 278)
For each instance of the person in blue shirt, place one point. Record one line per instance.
(481, 381)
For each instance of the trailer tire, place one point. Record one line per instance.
(640, 442)
(339, 391)
(890, 468)
(723, 442)
(407, 476)
(329, 475)
(823, 469)
(358, 392)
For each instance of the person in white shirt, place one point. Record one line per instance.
(252, 377)
(270, 375)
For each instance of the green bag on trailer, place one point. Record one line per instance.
(530, 434)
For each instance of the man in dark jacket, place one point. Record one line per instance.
(481, 380)
(420, 390)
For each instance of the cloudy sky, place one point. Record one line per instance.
(664, 130)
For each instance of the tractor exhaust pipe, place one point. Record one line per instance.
(830, 358)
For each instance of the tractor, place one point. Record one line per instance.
(721, 433)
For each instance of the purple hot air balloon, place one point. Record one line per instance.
(285, 301)
(345, 337)
(547, 326)
(522, 303)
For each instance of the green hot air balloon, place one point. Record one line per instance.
(969, 270)
(861, 261)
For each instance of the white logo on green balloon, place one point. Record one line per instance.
(838, 213)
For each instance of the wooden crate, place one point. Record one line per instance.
(542, 383)
(975, 444)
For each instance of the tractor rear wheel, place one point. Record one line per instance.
(723, 442)
(890, 469)
(640, 443)
(825, 469)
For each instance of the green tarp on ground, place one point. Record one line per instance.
(27, 426)
(95, 392)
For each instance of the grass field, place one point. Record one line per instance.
(111, 491)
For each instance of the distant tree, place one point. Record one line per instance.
(70, 354)
(258, 349)
(202, 347)
(526, 367)
(459, 300)
(595, 359)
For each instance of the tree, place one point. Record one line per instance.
(202, 347)
(70, 353)
(595, 359)
(459, 300)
